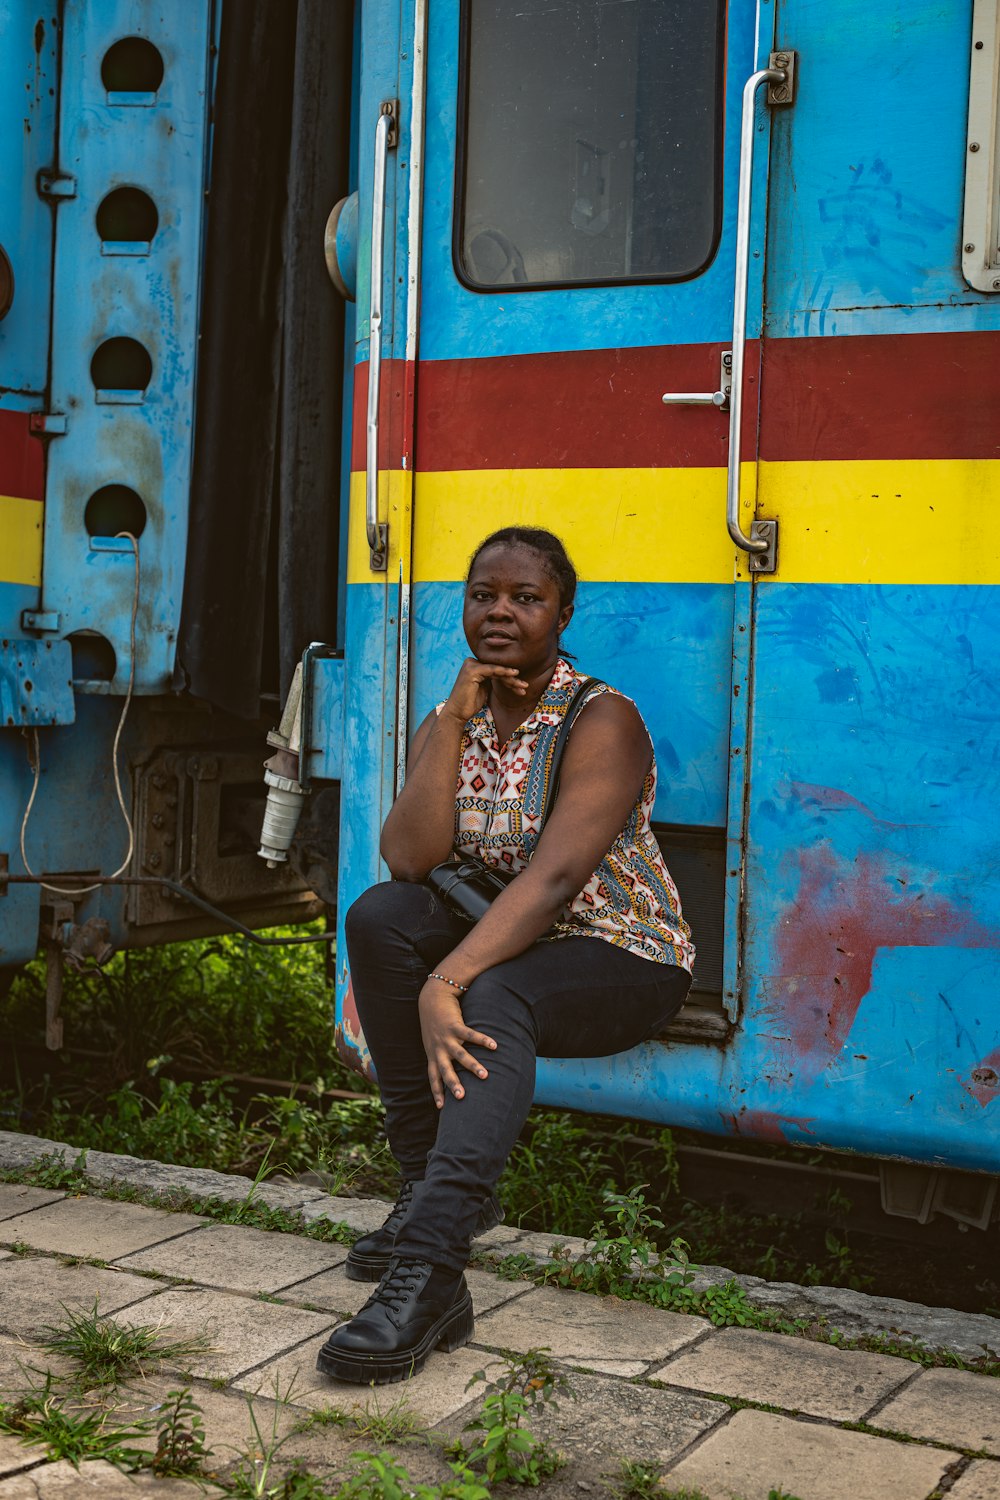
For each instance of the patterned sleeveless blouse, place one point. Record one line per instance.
(630, 900)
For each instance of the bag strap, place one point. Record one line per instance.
(573, 708)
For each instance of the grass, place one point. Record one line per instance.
(106, 1352)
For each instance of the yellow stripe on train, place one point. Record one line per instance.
(859, 521)
(20, 540)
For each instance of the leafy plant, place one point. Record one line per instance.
(622, 1257)
(107, 1352)
(505, 1449)
(563, 1165)
(380, 1476)
(180, 1436)
(638, 1480)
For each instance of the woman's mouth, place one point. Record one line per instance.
(497, 638)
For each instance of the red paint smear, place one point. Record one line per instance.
(831, 799)
(983, 1093)
(349, 1038)
(842, 914)
(22, 463)
(759, 1125)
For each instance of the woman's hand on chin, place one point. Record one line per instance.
(445, 1035)
(471, 688)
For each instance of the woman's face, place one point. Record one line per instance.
(512, 616)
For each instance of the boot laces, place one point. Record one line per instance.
(400, 1208)
(398, 1284)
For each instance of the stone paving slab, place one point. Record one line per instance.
(948, 1406)
(437, 1392)
(23, 1364)
(17, 1197)
(238, 1258)
(35, 1290)
(14, 1456)
(793, 1373)
(981, 1481)
(95, 1227)
(332, 1291)
(228, 1426)
(360, 1214)
(612, 1419)
(98, 1480)
(757, 1451)
(169, 1180)
(240, 1332)
(597, 1333)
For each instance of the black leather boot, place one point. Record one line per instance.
(416, 1308)
(368, 1258)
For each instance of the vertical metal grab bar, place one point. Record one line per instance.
(378, 531)
(762, 542)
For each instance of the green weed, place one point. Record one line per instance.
(637, 1480)
(505, 1449)
(180, 1436)
(563, 1165)
(107, 1352)
(40, 1419)
(380, 1476)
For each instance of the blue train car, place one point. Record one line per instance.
(713, 291)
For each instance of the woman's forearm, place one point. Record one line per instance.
(420, 828)
(519, 915)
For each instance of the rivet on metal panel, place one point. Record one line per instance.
(973, 145)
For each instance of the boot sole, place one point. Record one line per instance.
(373, 1267)
(451, 1332)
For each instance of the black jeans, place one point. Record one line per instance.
(575, 997)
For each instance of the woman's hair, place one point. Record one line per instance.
(549, 548)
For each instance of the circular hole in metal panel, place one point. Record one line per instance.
(132, 66)
(114, 508)
(6, 283)
(127, 214)
(121, 365)
(94, 658)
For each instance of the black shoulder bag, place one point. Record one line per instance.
(468, 885)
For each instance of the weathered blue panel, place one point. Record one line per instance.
(36, 685)
(136, 437)
(867, 185)
(322, 753)
(27, 144)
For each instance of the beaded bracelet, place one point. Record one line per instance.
(462, 988)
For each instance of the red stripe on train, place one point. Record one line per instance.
(871, 397)
(22, 465)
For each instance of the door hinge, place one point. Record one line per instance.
(55, 184)
(47, 424)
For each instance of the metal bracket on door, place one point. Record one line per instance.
(719, 398)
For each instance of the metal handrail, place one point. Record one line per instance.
(377, 531)
(760, 542)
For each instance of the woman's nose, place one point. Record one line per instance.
(499, 609)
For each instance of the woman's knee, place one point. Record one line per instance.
(395, 904)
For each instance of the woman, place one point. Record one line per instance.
(584, 954)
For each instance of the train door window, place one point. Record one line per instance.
(981, 224)
(592, 147)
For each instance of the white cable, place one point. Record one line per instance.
(34, 758)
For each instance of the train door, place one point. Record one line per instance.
(872, 952)
(576, 319)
